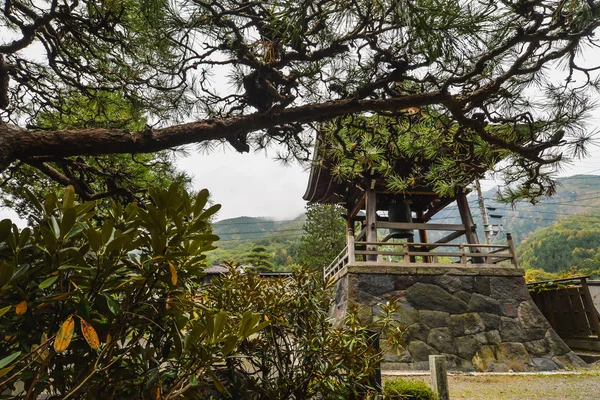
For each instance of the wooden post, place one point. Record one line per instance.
(439, 376)
(467, 221)
(590, 309)
(350, 244)
(423, 237)
(466, 218)
(371, 234)
(512, 249)
(484, 218)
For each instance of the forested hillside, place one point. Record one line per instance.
(240, 235)
(572, 244)
(579, 194)
(576, 195)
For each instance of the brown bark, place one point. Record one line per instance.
(22, 145)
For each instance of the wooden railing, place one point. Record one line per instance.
(426, 254)
(337, 264)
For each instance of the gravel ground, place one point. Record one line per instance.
(582, 384)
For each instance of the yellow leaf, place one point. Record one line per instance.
(21, 308)
(64, 335)
(89, 333)
(173, 274)
(6, 370)
(157, 393)
(108, 338)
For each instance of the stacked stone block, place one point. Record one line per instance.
(481, 319)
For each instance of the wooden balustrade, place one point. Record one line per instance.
(424, 254)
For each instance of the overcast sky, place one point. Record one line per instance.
(257, 186)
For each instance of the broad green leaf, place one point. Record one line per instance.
(210, 211)
(5, 226)
(20, 272)
(245, 322)
(84, 208)
(68, 221)
(94, 239)
(131, 210)
(257, 328)
(207, 237)
(220, 320)
(68, 197)
(48, 282)
(24, 237)
(117, 243)
(112, 304)
(50, 202)
(76, 229)
(13, 240)
(6, 273)
(229, 345)
(8, 359)
(218, 384)
(210, 326)
(33, 199)
(55, 227)
(200, 202)
(106, 231)
(4, 310)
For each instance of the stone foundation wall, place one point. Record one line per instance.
(481, 319)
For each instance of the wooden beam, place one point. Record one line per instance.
(410, 192)
(416, 225)
(466, 218)
(451, 237)
(361, 234)
(359, 206)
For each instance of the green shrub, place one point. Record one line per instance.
(299, 355)
(402, 389)
(102, 305)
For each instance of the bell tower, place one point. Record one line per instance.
(457, 297)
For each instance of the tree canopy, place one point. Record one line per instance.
(324, 236)
(126, 177)
(257, 73)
